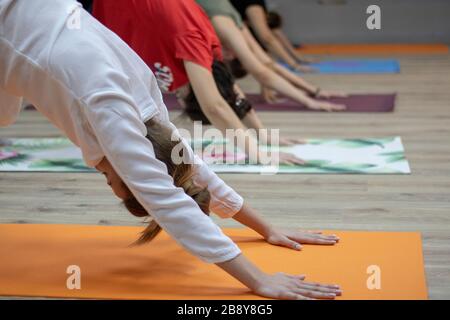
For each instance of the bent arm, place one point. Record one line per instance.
(121, 134)
(9, 108)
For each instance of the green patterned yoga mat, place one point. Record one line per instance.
(333, 156)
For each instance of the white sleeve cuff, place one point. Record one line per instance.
(227, 209)
(226, 256)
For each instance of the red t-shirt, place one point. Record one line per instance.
(163, 33)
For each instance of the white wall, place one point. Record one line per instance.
(411, 21)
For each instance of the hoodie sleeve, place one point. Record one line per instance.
(121, 134)
(225, 202)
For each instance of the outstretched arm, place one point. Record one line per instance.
(258, 21)
(280, 70)
(234, 39)
(284, 40)
(223, 117)
(290, 76)
(217, 109)
(132, 156)
(121, 134)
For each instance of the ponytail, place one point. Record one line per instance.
(160, 137)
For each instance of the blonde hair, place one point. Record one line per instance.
(160, 137)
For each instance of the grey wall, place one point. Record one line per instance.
(402, 21)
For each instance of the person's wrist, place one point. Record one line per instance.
(244, 271)
(268, 232)
(258, 282)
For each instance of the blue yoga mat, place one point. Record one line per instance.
(357, 66)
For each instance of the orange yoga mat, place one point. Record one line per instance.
(363, 49)
(34, 261)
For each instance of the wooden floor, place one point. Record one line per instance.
(419, 202)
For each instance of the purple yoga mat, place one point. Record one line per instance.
(354, 103)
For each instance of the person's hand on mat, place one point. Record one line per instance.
(269, 95)
(290, 159)
(325, 106)
(286, 142)
(293, 287)
(278, 285)
(291, 238)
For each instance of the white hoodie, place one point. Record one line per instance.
(96, 90)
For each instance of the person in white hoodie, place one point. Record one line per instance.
(105, 99)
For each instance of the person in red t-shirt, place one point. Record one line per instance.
(177, 41)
